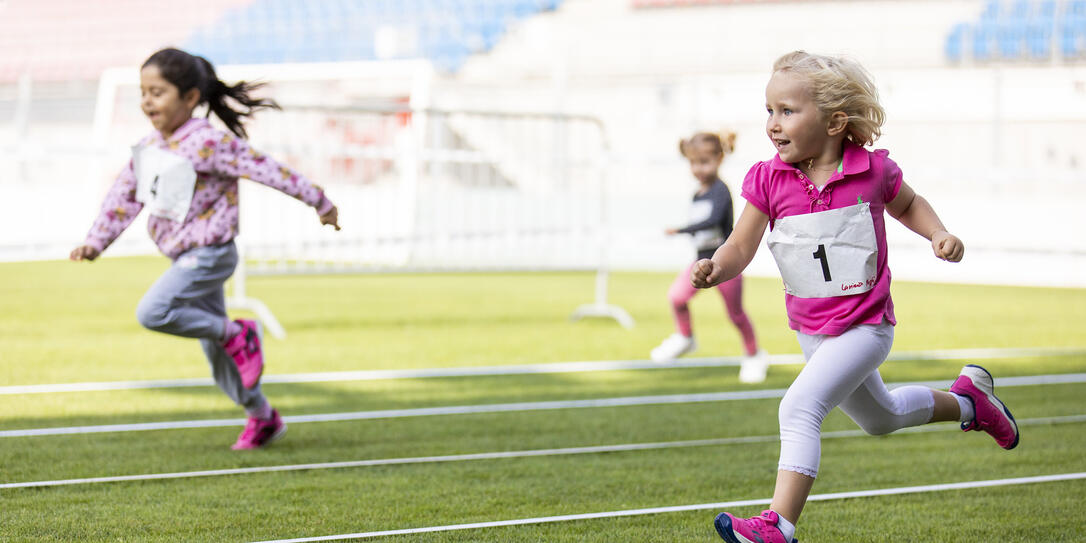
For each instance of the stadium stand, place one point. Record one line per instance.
(1021, 31)
(67, 40)
(686, 3)
(64, 40)
(276, 31)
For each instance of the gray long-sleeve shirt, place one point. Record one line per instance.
(711, 218)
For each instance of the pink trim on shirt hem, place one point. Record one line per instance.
(838, 330)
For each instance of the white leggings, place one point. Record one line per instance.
(843, 371)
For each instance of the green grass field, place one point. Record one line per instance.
(64, 322)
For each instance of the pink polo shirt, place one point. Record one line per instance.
(779, 189)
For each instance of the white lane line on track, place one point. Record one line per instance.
(554, 367)
(1070, 419)
(507, 407)
(699, 507)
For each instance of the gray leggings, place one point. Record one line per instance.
(188, 301)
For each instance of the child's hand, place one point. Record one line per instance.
(947, 246)
(671, 231)
(332, 217)
(84, 252)
(705, 273)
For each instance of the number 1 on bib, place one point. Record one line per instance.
(820, 255)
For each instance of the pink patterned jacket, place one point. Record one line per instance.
(219, 159)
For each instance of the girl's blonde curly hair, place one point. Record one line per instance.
(839, 84)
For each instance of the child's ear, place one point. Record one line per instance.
(191, 98)
(837, 123)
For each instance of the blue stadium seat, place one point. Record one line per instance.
(982, 42)
(1072, 36)
(1075, 8)
(524, 8)
(1011, 36)
(1046, 9)
(955, 41)
(1039, 38)
(1020, 11)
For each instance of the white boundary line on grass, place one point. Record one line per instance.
(699, 507)
(507, 407)
(553, 367)
(626, 447)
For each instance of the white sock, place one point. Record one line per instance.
(788, 530)
(966, 407)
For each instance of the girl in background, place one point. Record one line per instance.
(823, 198)
(711, 219)
(185, 173)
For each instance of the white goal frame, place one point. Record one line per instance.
(430, 158)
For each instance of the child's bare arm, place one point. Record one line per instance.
(913, 211)
(733, 257)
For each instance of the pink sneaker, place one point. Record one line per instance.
(990, 414)
(760, 529)
(258, 433)
(247, 352)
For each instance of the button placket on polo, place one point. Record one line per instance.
(815, 197)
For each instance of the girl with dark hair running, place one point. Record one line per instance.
(185, 173)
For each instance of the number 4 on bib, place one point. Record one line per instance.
(165, 182)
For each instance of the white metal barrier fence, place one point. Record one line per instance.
(431, 190)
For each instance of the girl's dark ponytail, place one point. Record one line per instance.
(187, 72)
(217, 92)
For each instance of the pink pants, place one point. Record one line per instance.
(682, 291)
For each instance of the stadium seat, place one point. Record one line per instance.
(1072, 33)
(1020, 11)
(955, 42)
(1046, 9)
(1010, 34)
(1075, 8)
(983, 38)
(447, 31)
(1039, 38)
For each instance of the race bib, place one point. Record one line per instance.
(709, 238)
(165, 182)
(826, 254)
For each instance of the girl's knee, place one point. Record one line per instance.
(678, 297)
(799, 411)
(152, 314)
(739, 318)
